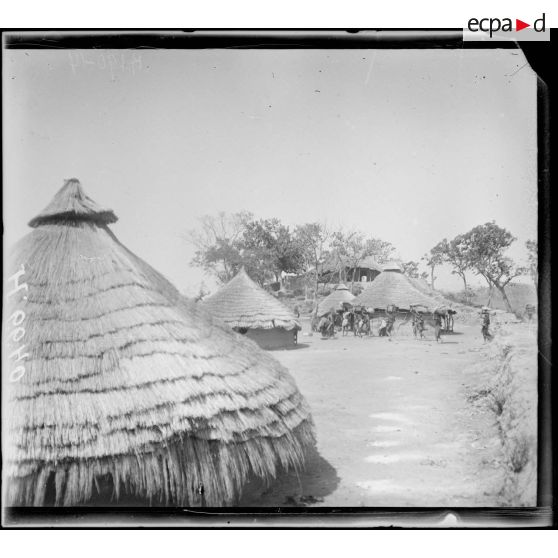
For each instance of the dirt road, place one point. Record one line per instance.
(393, 423)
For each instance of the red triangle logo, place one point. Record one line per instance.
(519, 25)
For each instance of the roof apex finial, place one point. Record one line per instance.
(72, 203)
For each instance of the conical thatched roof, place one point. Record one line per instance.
(112, 374)
(244, 304)
(392, 287)
(335, 299)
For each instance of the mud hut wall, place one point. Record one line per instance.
(277, 338)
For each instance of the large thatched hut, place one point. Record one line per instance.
(340, 296)
(245, 307)
(392, 288)
(115, 384)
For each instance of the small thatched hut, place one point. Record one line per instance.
(245, 307)
(113, 383)
(392, 288)
(341, 295)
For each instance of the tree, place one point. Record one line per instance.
(455, 253)
(348, 249)
(351, 248)
(411, 269)
(269, 249)
(218, 243)
(313, 239)
(434, 258)
(533, 260)
(202, 292)
(380, 249)
(485, 246)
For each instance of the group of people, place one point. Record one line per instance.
(419, 327)
(326, 325)
(386, 325)
(359, 323)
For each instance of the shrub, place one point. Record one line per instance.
(357, 289)
(519, 455)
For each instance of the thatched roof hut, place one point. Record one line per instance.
(111, 375)
(338, 268)
(392, 288)
(335, 299)
(244, 306)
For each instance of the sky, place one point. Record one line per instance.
(410, 146)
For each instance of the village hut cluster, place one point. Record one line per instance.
(393, 288)
(388, 297)
(119, 388)
(340, 299)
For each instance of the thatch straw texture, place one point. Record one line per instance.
(71, 202)
(334, 300)
(123, 377)
(392, 266)
(241, 303)
(392, 287)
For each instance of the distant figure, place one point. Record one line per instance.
(449, 327)
(390, 322)
(363, 325)
(485, 315)
(346, 323)
(529, 312)
(326, 327)
(382, 332)
(296, 312)
(418, 325)
(337, 319)
(437, 327)
(315, 321)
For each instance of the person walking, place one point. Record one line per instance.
(437, 327)
(485, 316)
(390, 323)
(383, 327)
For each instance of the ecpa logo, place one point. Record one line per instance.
(494, 25)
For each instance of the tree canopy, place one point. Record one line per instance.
(269, 249)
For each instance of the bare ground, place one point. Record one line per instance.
(395, 424)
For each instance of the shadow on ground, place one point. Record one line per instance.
(309, 487)
(292, 348)
(289, 489)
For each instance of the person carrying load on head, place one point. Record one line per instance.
(418, 324)
(451, 313)
(346, 324)
(437, 327)
(390, 319)
(323, 324)
(326, 326)
(382, 331)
